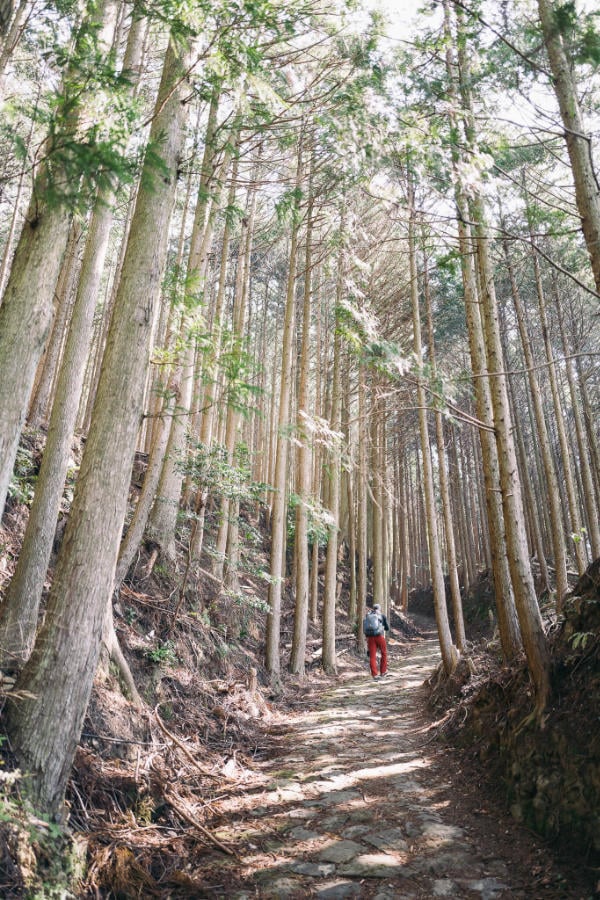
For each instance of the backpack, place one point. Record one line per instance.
(373, 624)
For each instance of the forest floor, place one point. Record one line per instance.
(357, 798)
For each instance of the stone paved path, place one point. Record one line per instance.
(354, 811)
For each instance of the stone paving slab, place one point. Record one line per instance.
(362, 818)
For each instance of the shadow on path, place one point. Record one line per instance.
(358, 807)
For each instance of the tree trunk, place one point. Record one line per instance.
(135, 532)
(450, 654)
(559, 418)
(237, 328)
(304, 462)
(163, 518)
(13, 36)
(361, 537)
(28, 304)
(349, 478)
(584, 460)
(532, 631)
(459, 624)
(278, 522)
(543, 442)
(505, 605)
(579, 142)
(49, 365)
(330, 589)
(45, 725)
(210, 394)
(19, 614)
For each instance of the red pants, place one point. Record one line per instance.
(374, 644)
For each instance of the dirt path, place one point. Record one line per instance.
(360, 805)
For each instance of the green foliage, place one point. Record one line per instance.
(579, 536)
(287, 207)
(589, 44)
(248, 601)
(565, 17)
(580, 639)
(22, 484)
(86, 117)
(447, 290)
(319, 518)
(579, 32)
(387, 358)
(162, 654)
(239, 370)
(210, 469)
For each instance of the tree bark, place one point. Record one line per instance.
(28, 304)
(579, 142)
(49, 365)
(45, 724)
(278, 522)
(163, 518)
(450, 653)
(457, 610)
(362, 514)
(330, 588)
(543, 441)
(505, 604)
(304, 462)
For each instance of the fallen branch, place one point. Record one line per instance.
(208, 574)
(318, 653)
(182, 746)
(192, 821)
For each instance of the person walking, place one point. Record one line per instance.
(374, 627)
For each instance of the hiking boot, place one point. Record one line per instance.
(384, 674)
(376, 677)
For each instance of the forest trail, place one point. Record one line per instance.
(360, 804)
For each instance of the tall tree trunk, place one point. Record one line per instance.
(210, 393)
(579, 142)
(101, 336)
(559, 418)
(278, 522)
(377, 556)
(529, 498)
(349, 483)
(505, 602)
(135, 532)
(466, 544)
(450, 654)
(304, 462)
(19, 614)
(361, 538)
(45, 725)
(590, 428)
(238, 318)
(49, 365)
(330, 589)
(403, 529)
(543, 442)
(317, 480)
(162, 524)
(530, 621)
(457, 610)
(28, 303)
(14, 33)
(591, 509)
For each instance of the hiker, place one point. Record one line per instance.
(374, 627)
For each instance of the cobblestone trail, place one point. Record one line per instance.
(360, 810)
